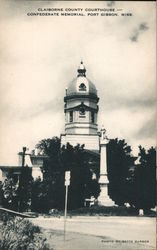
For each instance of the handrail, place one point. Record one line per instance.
(15, 213)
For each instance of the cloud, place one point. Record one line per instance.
(141, 28)
(130, 102)
(110, 3)
(52, 106)
(147, 130)
(12, 9)
(40, 57)
(31, 112)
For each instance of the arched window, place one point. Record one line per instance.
(82, 87)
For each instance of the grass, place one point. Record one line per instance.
(21, 234)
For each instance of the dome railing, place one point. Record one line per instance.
(80, 95)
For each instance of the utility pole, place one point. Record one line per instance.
(20, 178)
(67, 183)
(23, 156)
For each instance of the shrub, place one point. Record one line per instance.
(21, 234)
(102, 211)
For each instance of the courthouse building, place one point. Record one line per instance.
(81, 115)
(81, 112)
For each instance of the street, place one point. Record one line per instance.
(99, 232)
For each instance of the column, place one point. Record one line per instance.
(104, 198)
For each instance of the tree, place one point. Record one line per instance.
(60, 160)
(145, 179)
(16, 192)
(24, 188)
(50, 146)
(1, 193)
(119, 161)
(82, 184)
(10, 192)
(39, 197)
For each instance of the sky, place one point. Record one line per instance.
(39, 57)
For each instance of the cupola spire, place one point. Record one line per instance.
(81, 70)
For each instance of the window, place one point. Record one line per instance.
(92, 117)
(71, 116)
(82, 87)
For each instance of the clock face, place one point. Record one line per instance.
(82, 111)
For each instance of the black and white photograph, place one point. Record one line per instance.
(77, 125)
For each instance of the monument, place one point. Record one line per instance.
(104, 198)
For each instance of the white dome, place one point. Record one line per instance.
(81, 85)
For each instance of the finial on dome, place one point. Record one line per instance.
(81, 70)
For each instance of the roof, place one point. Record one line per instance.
(13, 167)
(93, 152)
(10, 167)
(81, 79)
